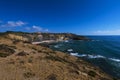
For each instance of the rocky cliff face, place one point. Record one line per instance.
(17, 37)
(24, 61)
(43, 36)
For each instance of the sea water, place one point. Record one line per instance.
(102, 51)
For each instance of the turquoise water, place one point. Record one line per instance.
(102, 51)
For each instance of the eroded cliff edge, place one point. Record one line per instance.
(21, 60)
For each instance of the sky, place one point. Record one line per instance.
(84, 17)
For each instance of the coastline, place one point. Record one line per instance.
(23, 61)
(77, 48)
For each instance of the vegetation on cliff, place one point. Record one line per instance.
(25, 61)
(24, 36)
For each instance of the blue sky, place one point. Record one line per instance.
(85, 17)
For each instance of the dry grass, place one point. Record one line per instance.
(34, 62)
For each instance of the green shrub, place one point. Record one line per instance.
(74, 71)
(56, 58)
(115, 79)
(16, 41)
(92, 73)
(30, 60)
(6, 50)
(28, 74)
(34, 48)
(21, 62)
(22, 53)
(14, 47)
(52, 77)
(4, 54)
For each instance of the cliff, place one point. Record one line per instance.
(42, 36)
(23, 61)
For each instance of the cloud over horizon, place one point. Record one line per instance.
(21, 25)
(35, 28)
(107, 32)
(13, 24)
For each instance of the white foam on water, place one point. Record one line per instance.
(56, 46)
(114, 59)
(74, 54)
(87, 55)
(82, 55)
(66, 41)
(95, 40)
(95, 56)
(70, 50)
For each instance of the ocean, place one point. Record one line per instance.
(102, 51)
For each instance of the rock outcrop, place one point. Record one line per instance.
(34, 62)
(43, 36)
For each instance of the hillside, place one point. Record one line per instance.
(43, 36)
(20, 60)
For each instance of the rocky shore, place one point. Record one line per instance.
(21, 60)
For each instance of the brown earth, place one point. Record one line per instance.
(25, 61)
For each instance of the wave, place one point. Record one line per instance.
(95, 40)
(87, 55)
(70, 50)
(82, 55)
(94, 56)
(114, 59)
(74, 54)
(66, 41)
(56, 46)
(99, 51)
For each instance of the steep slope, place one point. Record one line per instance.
(24, 61)
(43, 36)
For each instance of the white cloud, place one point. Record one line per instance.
(46, 30)
(9, 25)
(107, 32)
(14, 24)
(37, 28)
